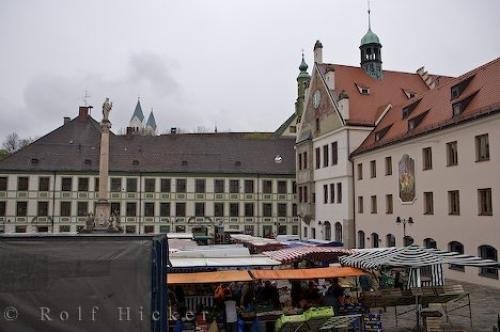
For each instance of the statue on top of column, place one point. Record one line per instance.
(106, 108)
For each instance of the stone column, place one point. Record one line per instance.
(103, 207)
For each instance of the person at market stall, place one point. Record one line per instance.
(335, 294)
(311, 294)
(270, 294)
(366, 283)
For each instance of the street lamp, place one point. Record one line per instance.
(400, 220)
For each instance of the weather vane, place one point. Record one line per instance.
(85, 97)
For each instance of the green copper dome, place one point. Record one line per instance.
(370, 38)
(303, 65)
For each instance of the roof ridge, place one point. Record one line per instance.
(384, 70)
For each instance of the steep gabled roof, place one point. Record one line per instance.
(74, 147)
(151, 121)
(481, 91)
(365, 109)
(138, 112)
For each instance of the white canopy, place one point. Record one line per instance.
(244, 261)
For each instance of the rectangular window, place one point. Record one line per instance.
(180, 209)
(360, 171)
(373, 168)
(180, 185)
(165, 185)
(249, 187)
(313, 232)
(219, 209)
(326, 157)
(218, 186)
(282, 229)
(295, 230)
(130, 229)
(305, 232)
(335, 153)
(96, 184)
(82, 209)
(83, 184)
(23, 183)
(21, 209)
(453, 202)
(116, 184)
(282, 187)
(281, 209)
(306, 195)
(165, 209)
(234, 186)
(428, 203)
(299, 166)
(116, 208)
(3, 183)
(3, 208)
(249, 209)
(325, 194)
(388, 204)
(294, 187)
(267, 187)
(360, 204)
(373, 204)
(149, 185)
(485, 202)
(131, 185)
(64, 229)
(388, 165)
(482, 148)
(300, 194)
(66, 184)
(294, 210)
(427, 158)
(332, 193)
(304, 160)
(234, 209)
(43, 209)
(318, 158)
(149, 209)
(44, 183)
(339, 192)
(65, 209)
(131, 210)
(199, 185)
(452, 153)
(199, 209)
(267, 209)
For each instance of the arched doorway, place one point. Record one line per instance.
(455, 246)
(361, 239)
(408, 241)
(430, 243)
(488, 252)
(375, 240)
(390, 240)
(328, 231)
(338, 232)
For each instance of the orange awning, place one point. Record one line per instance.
(305, 274)
(208, 277)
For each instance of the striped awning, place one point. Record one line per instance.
(297, 254)
(412, 256)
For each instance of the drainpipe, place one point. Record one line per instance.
(53, 200)
(259, 215)
(352, 183)
(140, 201)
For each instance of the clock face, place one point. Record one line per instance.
(316, 98)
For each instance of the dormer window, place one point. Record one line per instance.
(409, 94)
(460, 106)
(184, 163)
(458, 89)
(415, 121)
(35, 161)
(381, 133)
(364, 90)
(406, 111)
(135, 162)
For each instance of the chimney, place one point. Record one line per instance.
(67, 119)
(83, 112)
(318, 52)
(173, 130)
(428, 79)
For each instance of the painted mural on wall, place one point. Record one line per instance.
(407, 179)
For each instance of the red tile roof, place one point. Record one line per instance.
(365, 109)
(484, 87)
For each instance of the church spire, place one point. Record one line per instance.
(303, 81)
(369, 12)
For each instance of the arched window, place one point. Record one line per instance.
(430, 243)
(455, 246)
(328, 231)
(390, 240)
(361, 239)
(408, 241)
(375, 240)
(338, 232)
(488, 252)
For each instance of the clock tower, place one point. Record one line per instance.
(371, 56)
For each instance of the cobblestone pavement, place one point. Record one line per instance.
(485, 306)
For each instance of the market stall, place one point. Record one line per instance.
(256, 244)
(310, 253)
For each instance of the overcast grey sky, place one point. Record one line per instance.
(220, 62)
